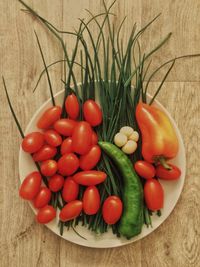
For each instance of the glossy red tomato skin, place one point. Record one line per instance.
(88, 178)
(56, 182)
(92, 112)
(112, 209)
(90, 160)
(153, 194)
(145, 169)
(46, 214)
(71, 210)
(68, 164)
(72, 106)
(70, 190)
(48, 118)
(94, 138)
(52, 138)
(66, 146)
(65, 127)
(30, 186)
(46, 152)
(49, 167)
(164, 174)
(82, 138)
(91, 200)
(33, 142)
(43, 197)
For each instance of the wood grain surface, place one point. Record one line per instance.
(23, 242)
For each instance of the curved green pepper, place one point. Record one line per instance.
(132, 218)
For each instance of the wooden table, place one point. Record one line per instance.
(23, 242)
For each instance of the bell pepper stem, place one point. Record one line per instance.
(163, 162)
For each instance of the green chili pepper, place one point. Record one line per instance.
(132, 218)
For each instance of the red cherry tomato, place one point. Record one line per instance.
(46, 152)
(145, 169)
(71, 210)
(66, 146)
(82, 138)
(56, 182)
(92, 112)
(48, 167)
(153, 194)
(89, 177)
(164, 174)
(30, 186)
(65, 126)
(48, 118)
(70, 190)
(72, 106)
(68, 164)
(94, 138)
(91, 200)
(90, 160)
(52, 138)
(46, 214)
(43, 197)
(112, 209)
(33, 142)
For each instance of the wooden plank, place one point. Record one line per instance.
(182, 19)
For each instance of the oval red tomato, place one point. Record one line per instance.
(82, 138)
(52, 138)
(33, 142)
(65, 126)
(92, 112)
(56, 182)
(68, 164)
(90, 160)
(48, 167)
(44, 153)
(112, 209)
(91, 200)
(48, 118)
(66, 146)
(145, 169)
(72, 106)
(30, 186)
(46, 214)
(70, 190)
(94, 138)
(89, 177)
(43, 197)
(153, 194)
(173, 174)
(71, 210)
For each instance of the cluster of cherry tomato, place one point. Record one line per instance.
(76, 144)
(153, 191)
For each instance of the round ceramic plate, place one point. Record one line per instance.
(172, 191)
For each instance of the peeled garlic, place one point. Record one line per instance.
(129, 147)
(127, 130)
(134, 136)
(120, 139)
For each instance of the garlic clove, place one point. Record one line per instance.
(130, 147)
(120, 139)
(134, 136)
(127, 130)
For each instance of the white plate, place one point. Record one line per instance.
(172, 190)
